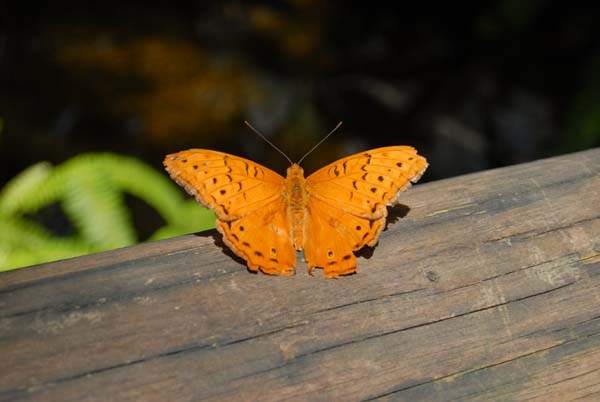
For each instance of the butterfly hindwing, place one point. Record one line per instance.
(262, 238)
(331, 236)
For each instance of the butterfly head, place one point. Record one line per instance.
(295, 171)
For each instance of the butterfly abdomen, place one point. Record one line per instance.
(295, 196)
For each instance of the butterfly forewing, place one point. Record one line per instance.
(233, 186)
(365, 183)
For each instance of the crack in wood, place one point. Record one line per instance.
(539, 264)
(462, 373)
(532, 233)
(178, 351)
(357, 302)
(422, 325)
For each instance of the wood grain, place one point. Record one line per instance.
(488, 289)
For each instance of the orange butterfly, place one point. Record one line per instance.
(264, 218)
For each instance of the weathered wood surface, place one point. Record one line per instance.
(488, 289)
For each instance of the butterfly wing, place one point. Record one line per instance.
(248, 202)
(349, 198)
(262, 239)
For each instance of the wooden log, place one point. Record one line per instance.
(487, 289)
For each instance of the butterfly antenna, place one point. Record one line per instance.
(320, 142)
(268, 142)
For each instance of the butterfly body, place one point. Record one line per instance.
(265, 218)
(295, 196)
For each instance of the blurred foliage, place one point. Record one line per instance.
(90, 190)
(175, 89)
(583, 119)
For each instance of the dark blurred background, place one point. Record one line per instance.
(472, 85)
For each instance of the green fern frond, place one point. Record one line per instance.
(25, 243)
(152, 187)
(27, 191)
(191, 217)
(95, 205)
(90, 188)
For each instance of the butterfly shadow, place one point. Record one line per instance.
(218, 241)
(394, 214)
